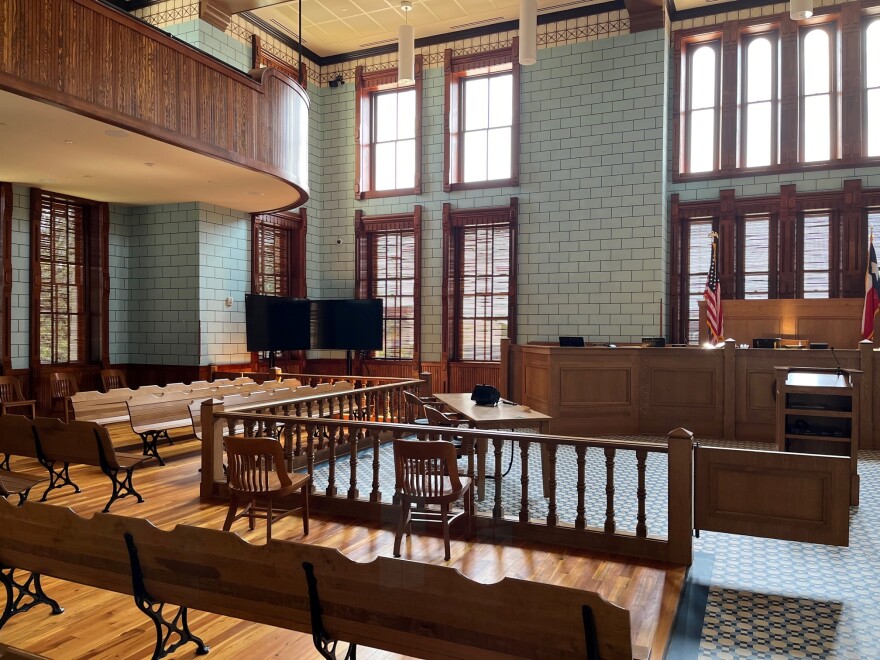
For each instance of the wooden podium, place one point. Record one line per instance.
(817, 412)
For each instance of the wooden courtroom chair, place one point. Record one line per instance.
(11, 396)
(62, 387)
(256, 474)
(426, 474)
(112, 379)
(415, 409)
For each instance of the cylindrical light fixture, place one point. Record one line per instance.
(800, 9)
(528, 31)
(406, 49)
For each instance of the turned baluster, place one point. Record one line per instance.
(552, 517)
(376, 494)
(310, 459)
(467, 447)
(497, 511)
(298, 430)
(580, 521)
(609, 490)
(331, 457)
(353, 461)
(288, 444)
(524, 480)
(230, 425)
(641, 493)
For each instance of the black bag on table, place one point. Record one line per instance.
(485, 395)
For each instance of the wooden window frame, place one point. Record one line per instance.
(294, 224)
(367, 84)
(849, 133)
(691, 48)
(867, 22)
(747, 38)
(366, 228)
(456, 69)
(830, 27)
(848, 234)
(454, 220)
(96, 281)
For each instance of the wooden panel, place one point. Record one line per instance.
(536, 385)
(835, 321)
(682, 387)
(105, 64)
(463, 376)
(756, 384)
(793, 497)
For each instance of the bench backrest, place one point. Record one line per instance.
(156, 412)
(17, 436)
(75, 442)
(394, 604)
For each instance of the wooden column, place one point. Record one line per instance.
(681, 496)
(851, 82)
(788, 98)
(729, 405)
(729, 92)
(676, 331)
(727, 245)
(866, 408)
(852, 242)
(212, 450)
(786, 258)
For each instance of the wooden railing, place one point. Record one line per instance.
(381, 402)
(367, 500)
(97, 61)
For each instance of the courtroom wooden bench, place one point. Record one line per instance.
(57, 445)
(401, 606)
(17, 483)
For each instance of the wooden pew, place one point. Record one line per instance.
(101, 408)
(56, 445)
(401, 606)
(153, 416)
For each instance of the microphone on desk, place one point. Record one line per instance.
(840, 371)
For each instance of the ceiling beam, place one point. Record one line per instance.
(645, 14)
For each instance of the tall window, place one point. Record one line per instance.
(702, 103)
(818, 86)
(760, 100)
(479, 281)
(482, 127)
(816, 255)
(388, 267)
(874, 226)
(872, 78)
(756, 257)
(278, 254)
(699, 258)
(388, 144)
(69, 310)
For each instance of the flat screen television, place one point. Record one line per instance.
(347, 325)
(276, 324)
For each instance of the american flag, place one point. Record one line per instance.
(872, 292)
(712, 294)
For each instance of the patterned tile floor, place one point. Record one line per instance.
(763, 598)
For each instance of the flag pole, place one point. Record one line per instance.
(712, 337)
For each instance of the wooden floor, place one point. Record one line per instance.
(99, 624)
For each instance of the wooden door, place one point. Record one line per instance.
(793, 497)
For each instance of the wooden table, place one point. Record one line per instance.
(502, 416)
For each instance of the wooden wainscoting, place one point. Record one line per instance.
(681, 387)
(463, 376)
(756, 385)
(835, 321)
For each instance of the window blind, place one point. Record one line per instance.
(485, 290)
(815, 264)
(272, 256)
(756, 248)
(61, 260)
(394, 282)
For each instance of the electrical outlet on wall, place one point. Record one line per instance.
(229, 301)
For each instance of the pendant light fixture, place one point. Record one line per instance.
(528, 31)
(406, 48)
(800, 9)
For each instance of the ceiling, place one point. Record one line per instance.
(57, 150)
(331, 27)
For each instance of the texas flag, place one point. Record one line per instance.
(872, 292)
